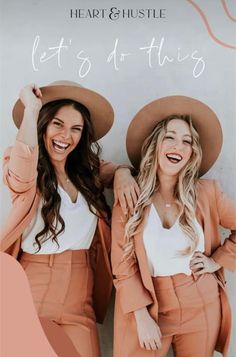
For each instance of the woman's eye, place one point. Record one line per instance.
(77, 129)
(56, 123)
(187, 142)
(169, 137)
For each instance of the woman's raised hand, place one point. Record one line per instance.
(31, 96)
(149, 333)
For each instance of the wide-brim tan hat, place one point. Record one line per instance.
(101, 112)
(204, 120)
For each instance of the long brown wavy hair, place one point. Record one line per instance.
(82, 168)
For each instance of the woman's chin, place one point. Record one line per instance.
(55, 157)
(170, 171)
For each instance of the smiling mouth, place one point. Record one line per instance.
(174, 158)
(60, 146)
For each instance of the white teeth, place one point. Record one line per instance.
(174, 156)
(60, 144)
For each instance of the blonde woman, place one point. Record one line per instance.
(167, 257)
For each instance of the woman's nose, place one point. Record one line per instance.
(177, 145)
(66, 133)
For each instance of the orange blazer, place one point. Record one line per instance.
(133, 280)
(20, 175)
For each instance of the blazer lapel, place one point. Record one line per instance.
(141, 255)
(201, 215)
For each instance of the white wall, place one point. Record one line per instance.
(131, 83)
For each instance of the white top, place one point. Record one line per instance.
(162, 246)
(80, 226)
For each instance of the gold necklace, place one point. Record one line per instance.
(64, 179)
(167, 204)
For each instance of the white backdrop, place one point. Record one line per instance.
(131, 61)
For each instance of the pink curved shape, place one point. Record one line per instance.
(208, 27)
(21, 333)
(223, 2)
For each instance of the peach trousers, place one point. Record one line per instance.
(189, 314)
(61, 286)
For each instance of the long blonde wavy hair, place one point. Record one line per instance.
(184, 192)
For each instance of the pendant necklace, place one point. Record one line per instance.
(64, 180)
(167, 204)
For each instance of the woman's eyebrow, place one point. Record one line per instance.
(171, 131)
(80, 125)
(58, 119)
(174, 132)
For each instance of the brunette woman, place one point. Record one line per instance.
(58, 227)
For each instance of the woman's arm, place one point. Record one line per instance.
(30, 97)
(20, 161)
(126, 190)
(128, 282)
(225, 255)
(133, 296)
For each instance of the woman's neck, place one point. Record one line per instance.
(167, 185)
(59, 168)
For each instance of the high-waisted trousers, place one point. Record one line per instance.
(61, 286)
(189, 314)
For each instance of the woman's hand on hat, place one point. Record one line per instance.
(126, 190)
(31, 97)
(201, 264)
(149, 333)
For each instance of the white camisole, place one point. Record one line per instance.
(162, 246)
(80, 226)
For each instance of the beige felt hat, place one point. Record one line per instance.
(204, 120)
(100, 109)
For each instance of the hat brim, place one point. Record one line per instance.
(100, 109)
(204, 120)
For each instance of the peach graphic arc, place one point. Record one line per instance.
(204, 18)
(22, 333)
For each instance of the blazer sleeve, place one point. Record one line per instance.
(128, 282)
(225, 255)
(107, 172)
(20, 167)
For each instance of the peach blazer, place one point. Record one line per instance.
(20, 175)
(133, 280)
